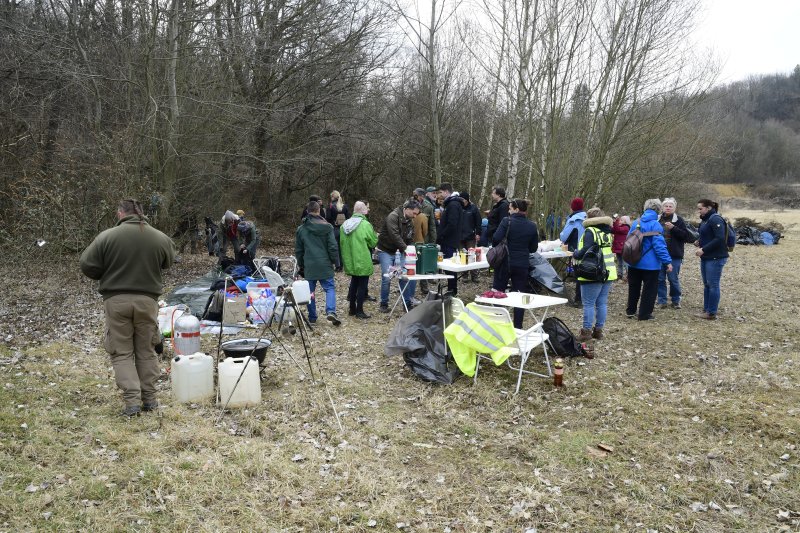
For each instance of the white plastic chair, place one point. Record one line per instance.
(456, 308)
(526, 341)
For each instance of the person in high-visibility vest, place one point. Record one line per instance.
(595, 293)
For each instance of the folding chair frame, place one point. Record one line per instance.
(526, 341)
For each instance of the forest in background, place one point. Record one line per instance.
(256, 104)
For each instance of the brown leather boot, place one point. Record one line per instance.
(597, 333)
(584, 335)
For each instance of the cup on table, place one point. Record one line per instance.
(526, 299)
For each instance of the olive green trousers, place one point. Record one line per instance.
(130, 338)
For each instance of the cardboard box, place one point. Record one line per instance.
(235, 309)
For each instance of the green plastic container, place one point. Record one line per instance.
(426, 258)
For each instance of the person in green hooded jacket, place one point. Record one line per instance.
(357, 236)
(316, 252)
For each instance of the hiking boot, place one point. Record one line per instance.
(663, 306)
(415, 302)
(703, 315)
(131, 411)
(150, 406)
(649, 317)
(597, 333)
(584, 335)
(369, 298)
(351, 312)
(578, 305)
(676, 305)
(333, 319)
(383, 308)
(362, 315)
(630, 315)
(711, 316)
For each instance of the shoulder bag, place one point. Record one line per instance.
(497, 254)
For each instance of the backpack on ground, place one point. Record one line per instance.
(564, 342)
(634, 242)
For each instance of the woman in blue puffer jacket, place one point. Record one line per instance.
(643, 275)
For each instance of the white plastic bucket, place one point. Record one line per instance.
(192, 377)
(248, 391)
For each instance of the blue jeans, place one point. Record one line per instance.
(711, 272)
(386, 260)
(330, 297)
(674, 283)
(595, 303)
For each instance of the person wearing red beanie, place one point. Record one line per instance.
(571, 235)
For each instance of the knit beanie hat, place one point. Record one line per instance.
(576, 204)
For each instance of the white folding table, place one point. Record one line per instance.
(537, 301)
(415, 277)
(514, 299)
(448, 266)
(552, 254)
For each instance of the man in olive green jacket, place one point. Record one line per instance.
(127, 260)
(316, 252)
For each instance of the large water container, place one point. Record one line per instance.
(187, 335)
(192, 377)
(248, 391)
(426, 258)
(301, 291)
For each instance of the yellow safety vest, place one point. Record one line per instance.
(472, 333)
(604, 240)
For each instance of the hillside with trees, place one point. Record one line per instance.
(757, 135)
(257, 105)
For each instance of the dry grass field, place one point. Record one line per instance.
(700, 422)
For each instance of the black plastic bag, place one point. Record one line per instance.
(543, 274)
(419, 337)
(748, 235)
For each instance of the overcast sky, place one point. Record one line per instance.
(751, 36)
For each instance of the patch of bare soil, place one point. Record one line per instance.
(677, 424)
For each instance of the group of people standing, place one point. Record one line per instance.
(332, 238)
(128, 260)
(654, 278)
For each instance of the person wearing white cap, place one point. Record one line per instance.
(676, 234)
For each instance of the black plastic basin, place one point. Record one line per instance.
(246, 347)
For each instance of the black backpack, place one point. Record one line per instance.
(564, 342)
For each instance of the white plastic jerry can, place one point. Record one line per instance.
(192, 377)
(248, 391)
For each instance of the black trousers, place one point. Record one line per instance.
(519, 282)
(357, 293)
(644, 284)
